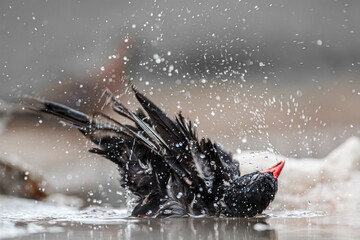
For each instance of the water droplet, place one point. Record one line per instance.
(179, 195)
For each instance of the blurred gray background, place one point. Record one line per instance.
(291, 42)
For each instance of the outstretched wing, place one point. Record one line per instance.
(136, 156)
(160, 160)
(203, 166)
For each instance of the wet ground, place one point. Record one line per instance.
(28, 219)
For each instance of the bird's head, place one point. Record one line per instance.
(252, 193)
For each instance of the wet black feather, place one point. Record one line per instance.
(162, 162)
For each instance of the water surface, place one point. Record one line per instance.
(27, 219)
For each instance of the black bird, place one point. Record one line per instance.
(162, 161)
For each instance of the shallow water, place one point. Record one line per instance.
(27, 219)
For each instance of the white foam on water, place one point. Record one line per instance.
(97, 215)
(296, 214)
(21, 217)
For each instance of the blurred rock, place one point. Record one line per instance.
(19, 179)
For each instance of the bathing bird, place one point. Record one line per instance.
(163, 162)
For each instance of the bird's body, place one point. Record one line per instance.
(171, 171)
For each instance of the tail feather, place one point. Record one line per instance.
(77, 118)
(122, 144)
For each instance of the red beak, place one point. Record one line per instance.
(276, 170)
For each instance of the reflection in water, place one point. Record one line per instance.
(158, 229)
(28, 219)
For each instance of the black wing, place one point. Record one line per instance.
(160, 160)
(125, 145)
(205, 167)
